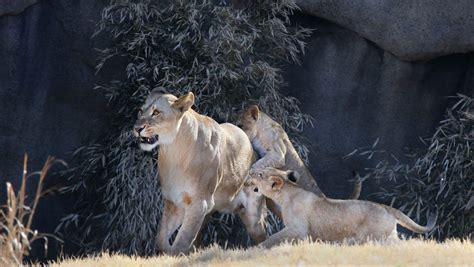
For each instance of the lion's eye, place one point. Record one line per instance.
(156, 112)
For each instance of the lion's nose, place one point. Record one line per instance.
(139, 129)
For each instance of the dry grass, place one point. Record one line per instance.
(16, 217)
(411, 252)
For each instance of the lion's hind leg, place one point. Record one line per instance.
(393, 237)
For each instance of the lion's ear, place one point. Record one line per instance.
(253, 111)
(277, 182)
(184, 103)
(293, 176)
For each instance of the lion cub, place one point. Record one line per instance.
(306, 214)
(276, 150)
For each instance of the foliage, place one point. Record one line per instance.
(442, 175)
(16, 218)
(228, 54)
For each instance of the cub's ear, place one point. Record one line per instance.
(158, 91)
(293, 176)
(253, 112)
(277, 183)
(184, 103)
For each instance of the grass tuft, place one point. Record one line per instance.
(16, 217)
(411, 252)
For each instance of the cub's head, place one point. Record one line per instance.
(270, 181)
(160, 117)
(248, 120)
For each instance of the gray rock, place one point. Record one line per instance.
(410, 29)
(358, 92)
(15, 7)
(47, 102)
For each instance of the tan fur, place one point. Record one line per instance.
(270, 140)
(306, 214)
(187, 198)
(202, 167)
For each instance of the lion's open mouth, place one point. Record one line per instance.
(149, 140)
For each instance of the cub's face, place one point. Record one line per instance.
(268, 186)
(250, 189)
(270, 181)
(160, 117)
(248, 121)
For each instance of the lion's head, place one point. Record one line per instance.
(160, 117)
(248, 120)
(271, 180)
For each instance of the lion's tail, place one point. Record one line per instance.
(357, 186)
(408, 223)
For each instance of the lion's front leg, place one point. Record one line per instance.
(199, 241)
(253, 216)
(284, 235)
(171, 218)
(275, 157)
(255, 227)
(194, 216)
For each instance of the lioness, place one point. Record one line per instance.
(306, 214)
(202, 167)
(274, 147)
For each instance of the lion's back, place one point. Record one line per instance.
(236, 141)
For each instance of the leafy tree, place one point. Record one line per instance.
(440, 176)
(229, 54)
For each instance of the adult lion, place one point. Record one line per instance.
(202, 167)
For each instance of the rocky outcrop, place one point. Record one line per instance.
(358, 92)
(15, 7)
(411, 30)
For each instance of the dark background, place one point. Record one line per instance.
(372, 69)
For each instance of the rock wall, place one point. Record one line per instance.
(356, 91)
(412, 30)
(48, 105)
